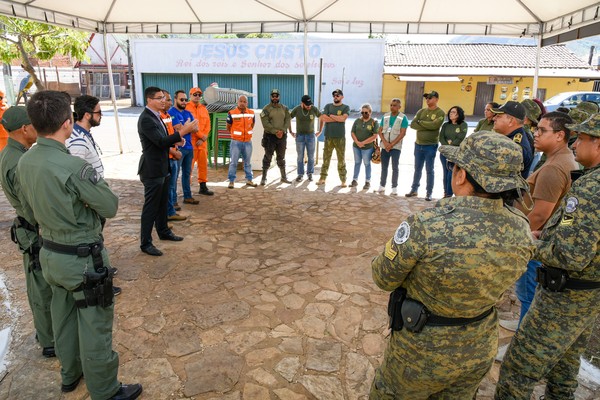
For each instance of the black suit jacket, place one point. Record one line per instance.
(154, 162)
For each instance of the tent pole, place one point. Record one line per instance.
(305, 58)
(112, 88)
(537, 63)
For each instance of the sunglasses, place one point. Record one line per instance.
(274, 95)
(183, 99)
(95, 112)
(365, 112)
(337, 95)
(196, 94)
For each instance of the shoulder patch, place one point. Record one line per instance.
(89, 173)
(263, 114)
(518, 138)
(572, 204)
(402, 233)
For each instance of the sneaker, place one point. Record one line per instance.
(191, 200)
(177, 208)
(501, 352)
(428, 197)
(394, 192)
(411, 194)
(344, 184)
(251, 184)
(299, 178)
(367, 185)
(381, 189)
(176, 217)
(321, 182)
(310, 177)
(116, 290)
(354, 183)
(230, 186)
(509, 325)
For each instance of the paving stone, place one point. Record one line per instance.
(263, 377)
(214, 314)
(323, 356)
(291, 345)
(305, 287)
(328, 295)
(312, 326)
(346, 324)
(217, 370)
(287, 394)
(359, 376)
(373, 344)
(182, 340)
(323, 387)
(324, 310)
(258, 357)
(159, 379)
(288, 367)
(293, 301)
(255, 392)
(242, 342)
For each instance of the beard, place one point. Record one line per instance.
(337, 100)
(180, 106)
(94, 122)
(275, 101)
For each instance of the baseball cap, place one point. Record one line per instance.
(493, 160)
(195, 90)
(14, 118)
(274, 91)
(431, 94)
(512, 108)
(307, 100)
(532, 110)
(590, 126)
(578, 115)
(337, 91)
(588, 107)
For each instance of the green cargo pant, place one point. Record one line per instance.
(39, 295)
(83, 335)
(339, 144)
(548, 344)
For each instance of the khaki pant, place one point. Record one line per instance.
(339, 144)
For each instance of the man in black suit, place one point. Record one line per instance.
(154, 170)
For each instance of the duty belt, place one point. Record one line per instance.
(81, 250)
(23, 223)
(437, 320)
(557, 280)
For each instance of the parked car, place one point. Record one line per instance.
(570, 99)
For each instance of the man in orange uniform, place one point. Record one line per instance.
(200, 138)
(3, 133)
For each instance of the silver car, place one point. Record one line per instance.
(570, 99)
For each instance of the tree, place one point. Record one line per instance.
(27, 40)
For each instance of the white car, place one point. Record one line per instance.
(570, 99)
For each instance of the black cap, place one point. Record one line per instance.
(337, 91)
(307, 100)
(433, 93)
(512, 108)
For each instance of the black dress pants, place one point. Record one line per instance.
(154, 211)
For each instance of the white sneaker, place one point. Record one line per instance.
(381, 189)
(394, 191)
(501, 352)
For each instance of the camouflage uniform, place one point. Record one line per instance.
(456, 258)
(556, 329)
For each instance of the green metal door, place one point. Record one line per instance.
(170, 82)
(291, 88)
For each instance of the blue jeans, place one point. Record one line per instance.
(362, 156)
(172, 186)
(447, 174)
(394, 154)
(424, 154)
(525, 287)
(237, 148)
(185, 163)
(305, 141)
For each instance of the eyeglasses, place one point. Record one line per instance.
(196, 94)
(96, 112)
(365, 112)
(158, 98)
(540, 131)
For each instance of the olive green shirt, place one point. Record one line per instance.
(427, 124)
(335, 129)
(484, 125)
(65, 193)
(275, 118)
(9, 158)
(305, 119)
(364, 130)
(453, 134)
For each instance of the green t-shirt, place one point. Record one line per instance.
(427, 123)
(305, 119)
(335, 129)
(484, 125)
(363, 130)
(452, 134)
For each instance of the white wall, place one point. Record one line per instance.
(360, 62)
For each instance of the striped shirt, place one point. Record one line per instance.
(82, 144)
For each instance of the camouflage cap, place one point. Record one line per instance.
(578, 115)
(590, 126)
(493, 160)
(588, 107)
(532, 110)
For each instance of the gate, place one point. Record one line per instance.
(414, 97)
(483, 95)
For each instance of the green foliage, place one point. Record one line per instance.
(41, 41)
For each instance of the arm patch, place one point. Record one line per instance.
(89, 173)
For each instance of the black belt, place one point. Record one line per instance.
(558, 279)
(81, 250)
(23, 223)
(436, 320)
(581, 284)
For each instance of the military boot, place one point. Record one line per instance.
(204, 190)
(284, 178)
(263, 180)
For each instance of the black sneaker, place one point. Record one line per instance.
(354, 184)
(299, 178)
(72, 386)
(367, 185)
(428, 197)
(310, 177)
(116, 290)
(411, 194)
(48, 352)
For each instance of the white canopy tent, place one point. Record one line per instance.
(548, 21)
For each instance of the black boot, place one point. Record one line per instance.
(204, 190)
(263, 180)
(284, 178)
(128, 392)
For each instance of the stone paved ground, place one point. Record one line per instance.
(268, 297)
